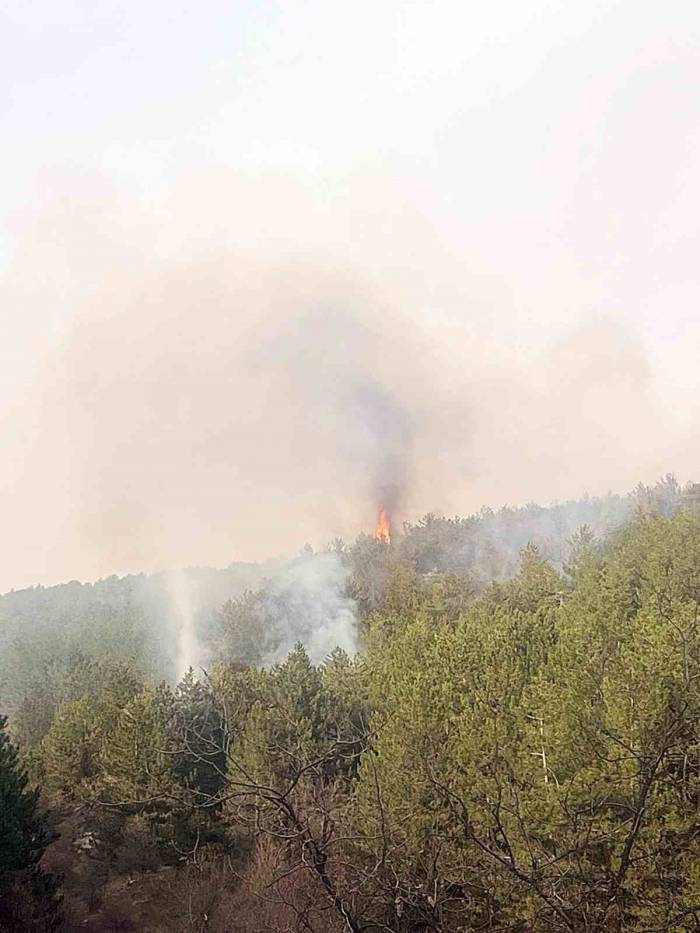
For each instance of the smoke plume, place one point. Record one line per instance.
(195, 384)
(306, 602)
(183, 598)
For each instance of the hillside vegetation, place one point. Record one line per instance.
(514, 747)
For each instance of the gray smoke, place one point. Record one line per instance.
(388, 437)
(336, 371)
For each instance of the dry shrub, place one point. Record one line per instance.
(277, 894)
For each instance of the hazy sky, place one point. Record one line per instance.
(254, 257)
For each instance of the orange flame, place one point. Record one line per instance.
(383, 532)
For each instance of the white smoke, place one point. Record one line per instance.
(182, 597)
(307, 602)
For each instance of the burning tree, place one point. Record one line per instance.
(383, 531)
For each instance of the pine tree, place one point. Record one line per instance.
(23, 830)
(28, 898)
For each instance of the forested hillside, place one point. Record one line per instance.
(136, 618)
(513, 746)
(133, 617)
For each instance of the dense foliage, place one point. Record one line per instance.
(28, 898)
(521, 754)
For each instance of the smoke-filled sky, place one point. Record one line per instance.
(265, 265)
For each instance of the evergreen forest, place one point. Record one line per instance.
(505, 738)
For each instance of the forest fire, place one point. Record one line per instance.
(383, 531)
